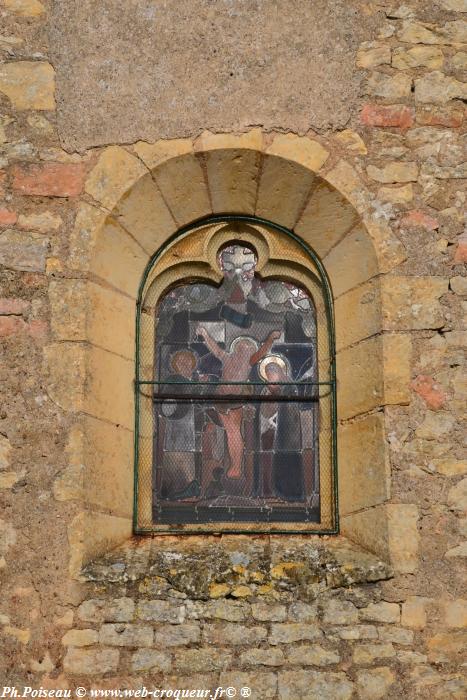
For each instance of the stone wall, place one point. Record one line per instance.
(306, 633)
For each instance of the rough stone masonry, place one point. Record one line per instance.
(295, 618)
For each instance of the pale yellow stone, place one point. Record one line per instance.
(459, 60)
(241, 592)
(249, 140)
(435, 426)
(44, 665)
(42, 221)
(414, 32)
(80, 638)
(152, 154)
(143, 212)
(394, 87)
(390, 531)
(69, 486)
(68, 308)
(113, 175)
(414, 612)
(91, 534)
(351, 262)
(66, 368)
(396, 195)
(375, 683)
(233, 179)
(347, 181)
(218, 590)
(28, 84)
(427, 56)
(412, 303)
(389, 250)
(363, 305)
(299, 149)
(25, 8)
(22, 636)
(5, 452)
(8, 479)
(450, 467)
(364, 475)
(283, 189)
(368, 653)
(91, 662)
(183, 186)
(370, 55)
(39, 122)
(109, 387)
(455, 613)
(437, 88)
(397, 171)
(286, 570)
(88, 223)
(352, 141)
(454, 5)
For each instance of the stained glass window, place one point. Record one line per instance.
(235, 401)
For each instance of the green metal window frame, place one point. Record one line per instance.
(329, 308)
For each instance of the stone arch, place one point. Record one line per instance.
(137, 198)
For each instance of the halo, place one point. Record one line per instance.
(240, 338)
(272, 359)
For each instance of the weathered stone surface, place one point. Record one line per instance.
(125, 635)
(396, 195)
(446, 647)
(287, 633)
(150, 660)
(161, 611)
(230, 633)
(283, 190)
(49, 179)
(375, 684)
(303, 612)
(176, 635)
(455, 613)
(370, 55)
(396, 635)
(411, 303)
(457, 496)
(435, 426)
(262, 657)
(271, 612)
(7, 217)
(415, 32)
(392, 87)
(437, 88)
(90, 662)
(459, 551)
(5, 452)
(339, 612)
(201, 660)
(394, 172)
(399, 116)
(310, 685)
(42, 222)
(458, 284)
(25, 8)
(28, 84)
(23, 252)
(368, 653)
(450, 467)
(80, 638)
(364, 303)
(182, 183)
(227, 86)
(263, 685)
(312, 655)
(381, 612)
(104, 610)
(355, 632)
(230, 610)
(427, 56)
(459, 60)
(419, 219)
(430, 391)
(352, 141)
(114, 173)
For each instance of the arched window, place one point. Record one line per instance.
(235, 383)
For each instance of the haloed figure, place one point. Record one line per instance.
(236, 367)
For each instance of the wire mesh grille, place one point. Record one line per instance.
(234, 396)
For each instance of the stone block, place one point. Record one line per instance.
(348, 182)
(396, 171)
(182, 183)
(288, 633)
(66, 368)
(369, 653)
(161, 611)
(414, 612)
(417, 56)
(395, 635)
(43, 222)
(233, 179)
(455, 613)
(263, 685)
(7, 217)
(339, 612)
(176, 635)
(458, 285)
(457, 497)
(114, 173)
(303, 612)
(310, 685)
(125, 635)
(352, 141)
(232, 633)
(262, 657)
(362, 305)
(100, 610)
(375, 684)
(399, 116)
(150, 660)
(153, 154)
(392, 87)
(80, 638)
(312, 655)
(450, 467)
(105, 398)
(23, 252)
(371, 55)
(437, 88)
(447, 647)
(351, 262)
(90, 662)
(48, 179)
(412, 303)
(143, 212)
(201, 660)
(230, 610)
(436, 426)
(364, 475)
(90, 534)
(355, 632)
(268, 612)
(283, 189)
(28, 84)
(299, 149)
(326, 219)
(396, 195)
(381, 612)
(25, 8)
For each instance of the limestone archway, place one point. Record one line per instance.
(139, 198)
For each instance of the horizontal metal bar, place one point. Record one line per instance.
(218, 398)
(171, 381)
